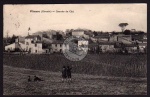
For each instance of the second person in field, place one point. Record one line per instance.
(66, 73)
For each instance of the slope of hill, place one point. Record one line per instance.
(15, 83)
(96, 64)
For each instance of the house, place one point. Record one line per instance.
(93, 47)
(127, 39)
(78, 33)
(145, 36)
(86, 36)
(58, 46)
(33, 44)
(126, 48)
(131, 48)
(83, 44)
(14, 46)
(106, 46)
(101, 38)
(142, 41)
(142, 47)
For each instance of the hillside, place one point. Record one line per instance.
(95, 64)
(15, 83)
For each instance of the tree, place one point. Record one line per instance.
(13, 39)
(123, 25)
(95, 33)
(45, 36)
(59, 36)
(127, 32)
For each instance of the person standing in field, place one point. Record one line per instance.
(64, 73)
(68, 72)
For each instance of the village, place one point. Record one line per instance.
(97, 42)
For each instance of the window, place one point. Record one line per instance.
(35, 45)
(32, 41)
(60, 50)
(27, 43)
(55, 45)
(36, 51)
(60, 45)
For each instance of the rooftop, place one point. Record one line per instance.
(78, 31)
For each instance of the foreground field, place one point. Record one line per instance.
(103, 64)
(15, 83)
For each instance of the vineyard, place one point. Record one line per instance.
(96, 64)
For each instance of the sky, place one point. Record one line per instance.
(97, 17)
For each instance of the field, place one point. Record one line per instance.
(104, 74)
(104, 64)
(15, 83)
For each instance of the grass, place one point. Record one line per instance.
(15, 83)
(103, 64)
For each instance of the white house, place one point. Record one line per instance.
(10, 47)
(78, 33)
(33, 44)
(15, 45)
(142, 46)
(83, 44)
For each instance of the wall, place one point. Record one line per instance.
(78, 33)
(58, 47)
(11, 47)
(105, 48)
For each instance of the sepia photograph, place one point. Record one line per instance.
(75, 49)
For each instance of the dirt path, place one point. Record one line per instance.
(15, 83)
